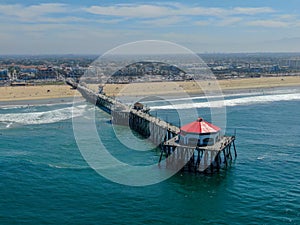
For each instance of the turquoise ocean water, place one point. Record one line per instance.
(44, 178)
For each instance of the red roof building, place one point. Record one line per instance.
(200, 126)
(199, 132)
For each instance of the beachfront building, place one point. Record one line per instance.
(46, 73)
(26, 73)
(199, 133)
(4, 74)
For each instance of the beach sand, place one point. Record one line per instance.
(144, 89)
(38, 92)
(192, 87)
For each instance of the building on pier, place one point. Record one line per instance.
(200, 147)
(199, 133)
(138, 106)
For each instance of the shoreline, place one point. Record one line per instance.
(50, 94)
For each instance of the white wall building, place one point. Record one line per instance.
(200, 133)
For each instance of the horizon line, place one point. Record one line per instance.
(95, 54)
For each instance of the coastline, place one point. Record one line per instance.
(48, 94)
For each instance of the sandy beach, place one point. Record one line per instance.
(192, 87)
(8, 94)
(35, 92)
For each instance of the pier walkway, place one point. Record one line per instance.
(151, 127)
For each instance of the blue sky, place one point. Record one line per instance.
(63, 27)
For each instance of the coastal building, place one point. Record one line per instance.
(26, 73)
(28, 69)
(4, 74)
(46, 73)
(199, 133)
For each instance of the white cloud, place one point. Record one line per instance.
(252, 10)
(203, 23)
(141, 11)
(33, 11)
(46, 13)
(33, 28)
(155, 11)
(162, 22)
(222, 22)
(59, 20)
(73, 19)
(268, 23)
(229, 21)
(157, 15)
(288, 17)
(61, 28)
(201, 11)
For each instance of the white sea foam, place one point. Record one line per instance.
(8, 125)
(46, 117)
(202, 97)
(234, 102)
(14, 106)
(68, 166)
(37, 105)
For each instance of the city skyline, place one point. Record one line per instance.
(76, 27)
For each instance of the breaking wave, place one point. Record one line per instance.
(224, 95)
(46, 117)
(68, 166)
(199, 97)
(233, 102)
(25, 106)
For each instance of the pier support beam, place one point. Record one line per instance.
(235, 154)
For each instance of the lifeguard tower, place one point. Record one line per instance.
(199, 133)
(198, 147)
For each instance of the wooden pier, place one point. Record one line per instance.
(163, 134)
(153, 128)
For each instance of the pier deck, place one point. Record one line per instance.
(198, 158)
(218, 146)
